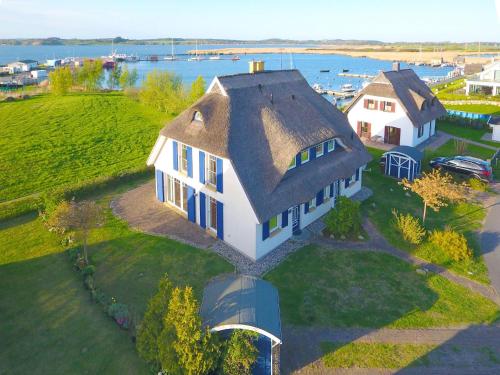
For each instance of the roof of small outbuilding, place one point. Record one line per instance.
(260, 122)
(416, 98)
(239, 301)
(413, 152)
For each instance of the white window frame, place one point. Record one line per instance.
(372, 104)
(308, 156)
(326, 193)
(198, 116)
(171, 193)
(332, 143)
(293, 164)
(182, 160)
(278, 224)
(312, 204)
(388, 104)
(322, 150)
(209, 173)
(209, 212)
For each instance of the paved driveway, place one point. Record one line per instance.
(490, 239)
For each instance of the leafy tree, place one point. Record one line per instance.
(149, 335)
(81, 217)
(197, 90)
(61, 80)
(90, 76)
(114, 77)
(436, 190)
(240, 353)
(197, 349)
(128, 78)
(163, 91)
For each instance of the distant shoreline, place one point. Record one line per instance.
(378, 53)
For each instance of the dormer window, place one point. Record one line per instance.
(293, 164)
(331, 145)
(304, 156)
(198, 116)
(319, 150)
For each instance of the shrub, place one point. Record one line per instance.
(410, 227)
(454, 244)
(345, 218)
(119, 312)
(460, 146)
(74, 254)
(477, 184)
(88, 281)
(88, 270)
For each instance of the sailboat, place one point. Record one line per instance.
(196, 57)
(172, 55)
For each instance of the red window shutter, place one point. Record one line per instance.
(366, 103)
(359, 128)
(382, 106)
(393, 107)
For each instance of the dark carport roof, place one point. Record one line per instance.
(413, 152)
(241, 301)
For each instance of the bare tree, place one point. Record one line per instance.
(80, 217)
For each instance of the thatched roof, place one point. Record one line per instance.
(260, 122)
(416, 98)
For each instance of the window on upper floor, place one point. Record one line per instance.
(371, 104)
(212, 170)
(183, 162)
(331, 145)
(319, 150)
(293, 164)
(304, 156)
(198, 116)
(388, 106)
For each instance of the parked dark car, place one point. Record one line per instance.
(467, 165)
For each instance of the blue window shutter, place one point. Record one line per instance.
(312, 153)
(357, 174)
(191, 205)
(298, 160)
(220, 220)
(265, 230)
(325, 148)
(284, 219)
(202, 167)
(203, 210)
(175, 156)
(319, 198)
(347, 182)
(220, 183)
(160, 188)
(189, 156)
(306, 207)
(331, 190)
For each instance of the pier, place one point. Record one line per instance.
(355, 75)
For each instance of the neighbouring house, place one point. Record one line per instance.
(397, 107)
(246, 303)
(39, 75)
(22, 66)
(53, 63)
(258, 158)
(486, 82)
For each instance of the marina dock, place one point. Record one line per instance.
(355, 75)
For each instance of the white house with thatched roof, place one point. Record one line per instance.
(397, 107)
(258, 158)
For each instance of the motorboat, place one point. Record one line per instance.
(347, 88)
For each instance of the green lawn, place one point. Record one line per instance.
(318, 287)
(388, 194)
(48, 141)
(486, 109)
(467, 132)
(394, 356)
(49, 324)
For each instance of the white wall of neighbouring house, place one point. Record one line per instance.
(380, 119)
(239, 218)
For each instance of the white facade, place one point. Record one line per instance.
(39, 74)
(486, 81)
(241, 228)
(379, 119)
(22, 66)
(495, 135)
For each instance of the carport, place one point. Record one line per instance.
(402, 162)
(249, 303)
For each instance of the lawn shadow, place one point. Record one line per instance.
(474, 350)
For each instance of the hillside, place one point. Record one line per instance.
(47, 142)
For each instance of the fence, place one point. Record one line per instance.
(469, 115)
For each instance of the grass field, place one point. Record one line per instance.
(319, 287)
(394, 356)
(486, 109)
(466, 217)
(48, 141)
(49, 324)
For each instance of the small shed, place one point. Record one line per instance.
(402, 162)
(249, 303)
(494, 124)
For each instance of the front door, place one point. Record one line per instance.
(392, 135)
(296, 219)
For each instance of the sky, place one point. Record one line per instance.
(385, 20)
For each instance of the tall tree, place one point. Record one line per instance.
(128, 78)
(163, 91)
(152, 336)
(81, 217)
(197, 349)
(61, 80)
(197, 90)
(114, 77)
(240, 353)
(91, 75)
(436, 190)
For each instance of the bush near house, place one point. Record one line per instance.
(344, 219)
